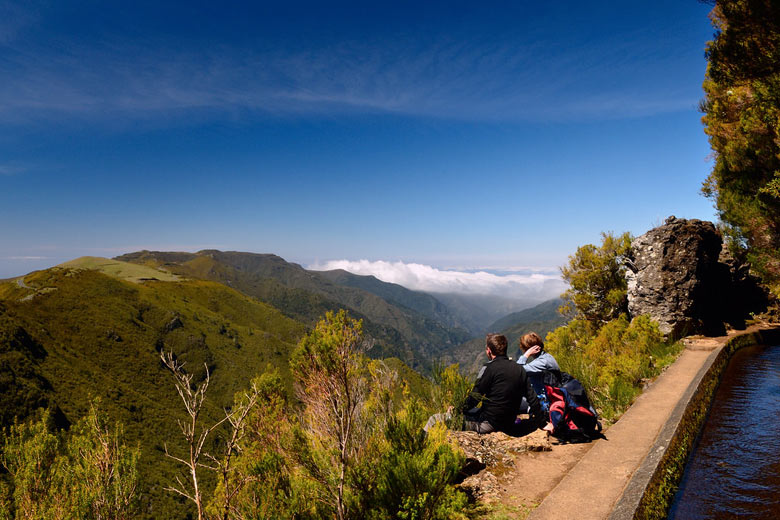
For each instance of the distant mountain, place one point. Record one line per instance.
(543, 312)
(421, 302)
(407, 325)
(541, 319)
(479, 311)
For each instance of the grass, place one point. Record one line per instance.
(135, 273)
(499, 511)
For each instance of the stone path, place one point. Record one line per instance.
(593, 485)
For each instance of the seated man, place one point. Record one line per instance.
(500, 387)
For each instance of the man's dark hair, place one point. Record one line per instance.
(497, 344)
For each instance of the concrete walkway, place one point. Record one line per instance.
(593, 486)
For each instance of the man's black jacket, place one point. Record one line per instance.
(501, 386)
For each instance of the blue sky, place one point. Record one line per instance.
(458, 135)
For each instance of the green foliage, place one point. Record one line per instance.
(29, 456)
(332, 381)
(356, 448)
(597, 285)
(22, 386)
(264, 482)
(87, 473)
(742, 119)
(94, 335)
(450, 391)
(416, 472)
(612, 361)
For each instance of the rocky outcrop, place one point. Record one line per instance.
(676, 276)
(490, 455)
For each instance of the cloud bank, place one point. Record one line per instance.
(530, 284)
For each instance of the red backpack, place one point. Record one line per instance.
(571, 414)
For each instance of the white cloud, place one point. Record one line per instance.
(539, 284)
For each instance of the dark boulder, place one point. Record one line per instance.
(676, 277)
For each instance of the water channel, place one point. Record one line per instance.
(734, 469)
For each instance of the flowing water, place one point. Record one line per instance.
(734, 470)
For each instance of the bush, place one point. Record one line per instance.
(596, 278)
(354, 447)
(612, 361)
(451, 388)
(416, 471)
(85, 473)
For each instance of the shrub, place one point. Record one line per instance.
(85, 473)
(612, 361)
(416, 471)
(451, 389)
(597, 285)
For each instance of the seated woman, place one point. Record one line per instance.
(536, 362)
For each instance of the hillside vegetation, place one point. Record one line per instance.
(67, 335)
(398, 330)
(351, 446)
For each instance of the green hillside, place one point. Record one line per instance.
(541, 319)
(545, 311)
(398, 330)
(67, 335)
(122, 270)
(478, 311)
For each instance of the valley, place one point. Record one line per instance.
(94, 328)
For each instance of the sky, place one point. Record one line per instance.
(386, 137)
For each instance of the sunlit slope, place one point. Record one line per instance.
(67, 335)
(122, 270)
(397, 330)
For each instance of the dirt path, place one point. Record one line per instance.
(537, 473)
(586, 480)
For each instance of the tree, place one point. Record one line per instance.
(332, 383)
(596, 278)
(193, 397)
(103, 471)
(262, 483)
(742, 119)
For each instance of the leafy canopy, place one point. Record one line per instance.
(597, 285)
(742, 119)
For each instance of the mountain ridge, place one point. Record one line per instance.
(399, 331)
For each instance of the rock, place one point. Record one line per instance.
(492, 453)
(674, 276)
(174, 324)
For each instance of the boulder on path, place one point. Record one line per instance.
(675, 276)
